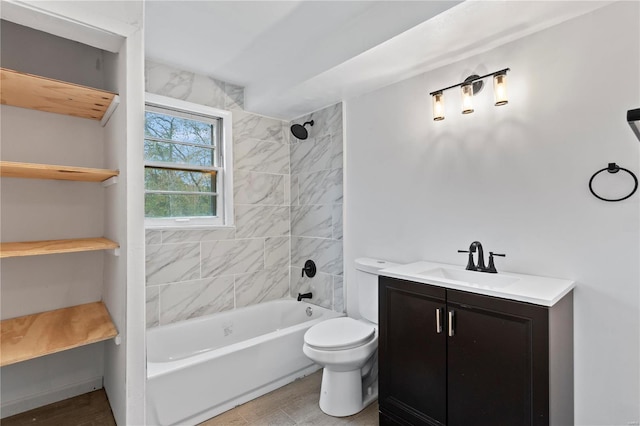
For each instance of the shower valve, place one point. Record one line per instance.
(309, 268)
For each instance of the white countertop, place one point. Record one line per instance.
(525, 288)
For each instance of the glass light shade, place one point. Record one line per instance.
(467, 98)
(500, 89)
(438, 106)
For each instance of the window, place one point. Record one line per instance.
(187, 152)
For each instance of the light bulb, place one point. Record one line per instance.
(438, 106)
(500, 89)
(467, 98)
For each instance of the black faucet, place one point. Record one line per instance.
(472, 249)
(304, 296)
(476, 245)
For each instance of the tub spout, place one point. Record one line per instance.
(304, 296)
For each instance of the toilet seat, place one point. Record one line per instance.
(339, 334)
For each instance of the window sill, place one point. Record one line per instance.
(194, 227)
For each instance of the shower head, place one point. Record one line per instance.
(299, 131)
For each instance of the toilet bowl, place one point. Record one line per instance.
(347, 349)
(344, 360)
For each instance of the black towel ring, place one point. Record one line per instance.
(614, 168)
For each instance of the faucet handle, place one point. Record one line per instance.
(470, 264)
(309, 269)
(492, 267)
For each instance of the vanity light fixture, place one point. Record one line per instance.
(469, 87)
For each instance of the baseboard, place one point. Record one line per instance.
(9, 408)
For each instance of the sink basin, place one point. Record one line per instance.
(476, 279)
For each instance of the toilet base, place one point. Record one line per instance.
(342, 393)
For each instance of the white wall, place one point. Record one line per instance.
(123, 293)
(57, 53)
(136, 361)
(515, 178)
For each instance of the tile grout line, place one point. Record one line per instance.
(239, 414)
(288, 416)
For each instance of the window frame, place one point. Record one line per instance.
(224, 175)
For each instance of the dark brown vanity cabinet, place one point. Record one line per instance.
(455, 358)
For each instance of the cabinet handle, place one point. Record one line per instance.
(438, 320)
(451, 331)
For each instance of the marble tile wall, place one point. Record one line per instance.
(168, 81)
(316, 208)
(190, 273)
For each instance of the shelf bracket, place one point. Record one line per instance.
(112, 107)
(117, 340)
(111, 181)
(116, 252)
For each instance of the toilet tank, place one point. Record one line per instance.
(367, 282)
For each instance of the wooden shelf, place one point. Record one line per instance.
(34, 248)
(49, 95)
(49, 332)
(50, 171)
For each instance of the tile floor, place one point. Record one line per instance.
(293, 404)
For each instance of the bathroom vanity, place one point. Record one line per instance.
(463, 348)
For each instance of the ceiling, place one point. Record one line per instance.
(295, 57)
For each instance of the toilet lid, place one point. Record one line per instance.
(339, 333)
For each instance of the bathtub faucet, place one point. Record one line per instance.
(304, 296)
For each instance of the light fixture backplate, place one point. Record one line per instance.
(477, 85)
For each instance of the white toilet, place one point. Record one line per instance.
(347, 348)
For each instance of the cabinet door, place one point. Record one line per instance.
(497, 362)
(412, 351)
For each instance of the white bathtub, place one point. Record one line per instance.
(199, 368)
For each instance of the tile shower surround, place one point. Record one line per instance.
(199, 272)
(195, 272)
(316, 207)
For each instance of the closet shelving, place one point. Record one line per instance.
(49, 95)
(44, 333)
(50, 171)
(39, 334)
(35, 248)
